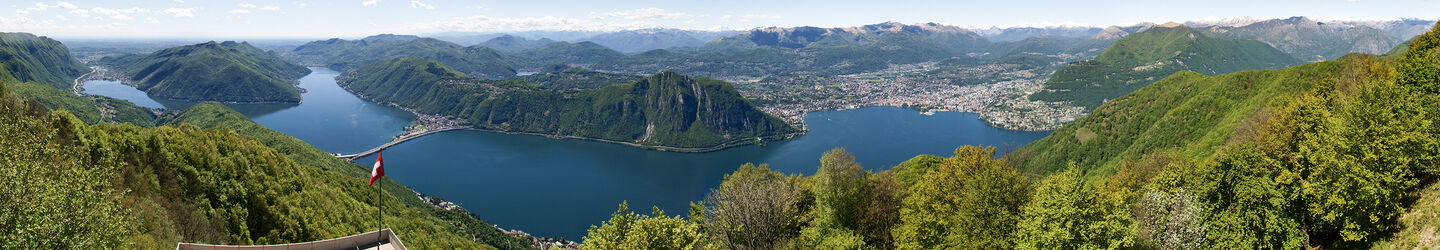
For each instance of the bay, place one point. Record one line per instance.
(559, 187)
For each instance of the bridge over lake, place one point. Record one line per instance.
(397, 141)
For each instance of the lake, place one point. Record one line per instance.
(559, 187)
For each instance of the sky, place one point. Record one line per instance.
(359, 18)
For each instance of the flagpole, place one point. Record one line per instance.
(380, 205)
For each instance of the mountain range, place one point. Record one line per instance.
(225, 72)
(1148, 56)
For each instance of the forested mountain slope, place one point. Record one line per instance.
(1142, 58)
(225, 72)
(30, 58)
(666, 109)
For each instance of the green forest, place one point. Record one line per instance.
(30, 58)
(666, 109)
(224, 72)
(1143, 58)
(1337, 154)
(121, 185)
(86, 172)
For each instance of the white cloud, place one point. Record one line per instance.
(62, 18)
(178, 12)
(646, 13)
(240, 11)
(42, 6)
(21, 12)
(81, 13)
(419, 4)
(270, 8)
(121, 17)
(247, 5)
(369, 2)
(481, 7)
(180, 1)
(108, 11)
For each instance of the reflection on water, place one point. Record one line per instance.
(116, 90)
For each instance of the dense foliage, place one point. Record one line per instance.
(214, 116)
(627, 230)
(226, 72)
(30, 58)
(1142, 58)
(72, 185)
(1341, 154)
(344, 55)
(121, 185)
(666, 109)
(90, 109)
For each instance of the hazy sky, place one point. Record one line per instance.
(356, 18)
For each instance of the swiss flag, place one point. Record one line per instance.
(379, 170)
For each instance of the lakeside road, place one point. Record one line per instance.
(75, 86)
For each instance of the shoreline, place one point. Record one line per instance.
(723, 145)
(102, 76)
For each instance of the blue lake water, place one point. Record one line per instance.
(558, 188)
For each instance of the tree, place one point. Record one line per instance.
(1170, 220)
(851, 205)
(755, 208)
(1419, 67)
(971, 201)
(627, 230)
(1065, 213)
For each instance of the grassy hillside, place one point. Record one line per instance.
(666, 109)
(1142, 58)
(344, 55)
(30, 58)
(226, 72)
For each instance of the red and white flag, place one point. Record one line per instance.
(379, 170)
